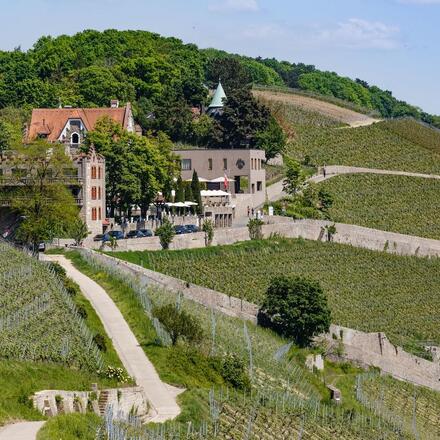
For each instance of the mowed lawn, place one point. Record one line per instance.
(402, 204)
(367, 290)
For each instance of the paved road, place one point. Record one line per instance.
(21, 431)
(275, 191)
(161, 396)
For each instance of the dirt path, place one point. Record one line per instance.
(20, 431)
(347, 116)
(161, 396)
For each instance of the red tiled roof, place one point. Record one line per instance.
(51, 121)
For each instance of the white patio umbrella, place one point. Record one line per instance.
(191, 204)
(201, 180)
(221, 180)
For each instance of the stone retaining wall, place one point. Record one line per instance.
(375, 349)
(353, 235)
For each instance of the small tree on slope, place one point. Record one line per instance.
(296, 308)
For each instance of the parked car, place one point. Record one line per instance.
(41, 247)
(147, 232)
(179, 229)
(119, 235)
(135, 234)
(99, 237)
(192, 228)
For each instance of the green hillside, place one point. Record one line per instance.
(286, 399)
(375, 146)
(408, 205)
(397, 291)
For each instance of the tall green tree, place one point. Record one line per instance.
(295, 178)
(180, 190)
(137, 167)
(42, 198)
(197, 197)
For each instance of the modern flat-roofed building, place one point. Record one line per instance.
(243, 167)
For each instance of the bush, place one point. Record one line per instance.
(166, 233)
(179, 324)
(295, 307)
(99, 340)
(254, 226)
(208, 229)
(234, 371)
(115, 373)
(82, 311)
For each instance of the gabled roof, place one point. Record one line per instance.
(218, 98)
(51, 121)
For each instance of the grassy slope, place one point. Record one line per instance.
(396, 291)
(71, 427)
(407, 205)
(19, 380)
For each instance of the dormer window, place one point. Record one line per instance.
(74, 139)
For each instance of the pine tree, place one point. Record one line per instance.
(180, 190)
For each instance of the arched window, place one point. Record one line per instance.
(74, 139)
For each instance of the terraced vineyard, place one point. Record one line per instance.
(408, 205)
(419, 408)
(399, 293)
(382, 145)
(38, 319)
(286, 401)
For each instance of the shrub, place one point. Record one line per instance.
(166, 233)
(179, 324)
(295, 307)
(234, 371)
(208, 229)
(82, 311)
(115, 373)
(254, 226)
(99, 340)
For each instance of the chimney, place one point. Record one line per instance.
(114, 103)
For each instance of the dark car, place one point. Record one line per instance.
(135, 234)
(192, 228)
(99, 237)
(179, 229)
(147, 232)
(119, 235)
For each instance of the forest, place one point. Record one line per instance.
(164, 79)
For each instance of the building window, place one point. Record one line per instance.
(259, 186)
(93, 172)
(99, 214)
(209, 164)
(186, 165)
(99, 173)
(93, 214)
(225, 164)
(253, 188)
(74, 139)
(99, 193)
(93, 192)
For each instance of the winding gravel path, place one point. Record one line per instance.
(20, 431)
(161, 396)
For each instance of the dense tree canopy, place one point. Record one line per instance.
(162, 77)
(137, 167)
